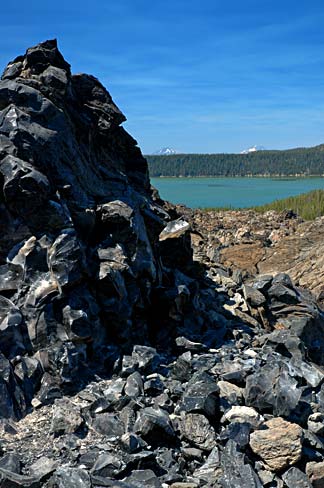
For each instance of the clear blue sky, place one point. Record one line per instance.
(199, 76)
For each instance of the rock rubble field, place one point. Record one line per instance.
(134, 351)
(256, 243)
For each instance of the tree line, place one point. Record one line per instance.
(307, 205)
(301, 161)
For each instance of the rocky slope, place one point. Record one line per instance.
(128, 363)
(261, 243)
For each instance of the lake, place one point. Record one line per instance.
(232, 192)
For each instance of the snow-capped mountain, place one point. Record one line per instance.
(253, 149)
(166, 151)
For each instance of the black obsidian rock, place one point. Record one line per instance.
(80, 257)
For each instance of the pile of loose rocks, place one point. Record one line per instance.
(247, 413)
(124, 363)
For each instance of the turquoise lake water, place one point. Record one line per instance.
(232, 192)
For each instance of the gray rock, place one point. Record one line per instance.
(282, 279)
(315, 423)
(188, 345)
(146, 357)
(253, 296)
(29, 371)
(236, 473)
(49, 390)
(154, 425)
(280, 339)
(141, 478)
(211, 470)
(196, 429)
(108, 466)
(281, 294)
(108, 424)
(239, 432)
(312, 373)
(11, 462)
(66, 260)
(272, 387)
(174, 229)
(134, 385)
(154, 386)
(309, 327)
(266, 477)
(295, 478)
(130, 442)
(230, 393)
(13, 336)
(164, 401)
(11, 276)
(66, 477)
(182, 368)
(201, 395)
(184, 485)
(10, 475)
(262, 283)
(12, 401)
(114, 390)
(234, 371)
(14, 480)
(43, 467)
(66, 417)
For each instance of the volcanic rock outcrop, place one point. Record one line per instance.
(80, 260)
(127, 363)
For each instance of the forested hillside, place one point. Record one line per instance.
(307, 205)
(301, 161)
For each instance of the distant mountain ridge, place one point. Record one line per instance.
(253, 149)
(290, 162)
(165, 151)
(168, 151)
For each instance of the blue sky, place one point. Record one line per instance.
(198, 76)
